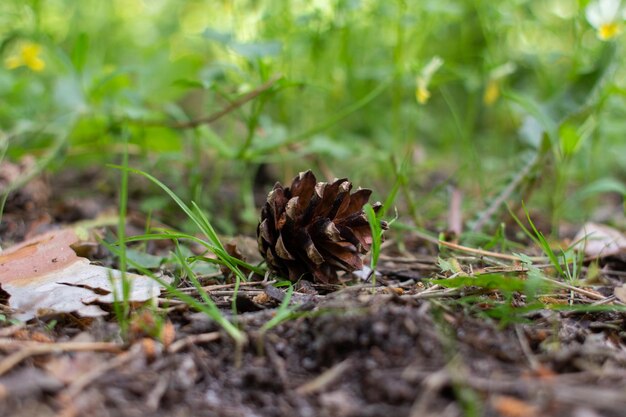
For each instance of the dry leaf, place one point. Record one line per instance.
(512, 407)
(620, 293)
(599, 240)
(68, 368)
(44, 275)
(168, 334)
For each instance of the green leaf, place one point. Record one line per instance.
(447, 266)
(377, 236)
(603, 185)
(217, 36)
(188, 83)
(79, 52)
(257, 50)
(489, 281)
(144, 259)
(569, 139)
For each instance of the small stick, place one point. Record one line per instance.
(588, 294)
(36, 348)
(11, 330)
(87, 378)
(326, 378)
(486, 252)
(232, 106)
(193, 340)
(480, 252)
(211, 288)
(506, 193)
(430, 385)
(155, 396)
(523, 342)
(408, 259)
(607, 300)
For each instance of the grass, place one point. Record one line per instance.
(213, 244)
(121, 306)
(567, 264)
(377, 237)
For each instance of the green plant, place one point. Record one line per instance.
(213, 244)
(283, 313)
(567, 264)
(377, 237)
(121, 306)
(207, 307)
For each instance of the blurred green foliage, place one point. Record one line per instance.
(420, 94)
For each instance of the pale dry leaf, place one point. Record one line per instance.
(599, 240)
(68, 368)
(620, 293)
(45, 276)
(168, 334)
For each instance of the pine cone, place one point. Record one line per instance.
(312, 230)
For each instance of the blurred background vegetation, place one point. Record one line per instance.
(497, 100)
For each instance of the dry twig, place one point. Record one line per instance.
(326, 378)
(194, 339)
(30, 348)
(226, 110)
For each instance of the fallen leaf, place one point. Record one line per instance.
(168, 334)
(45, 276)
(68, 368)
(620, 293)
(512, 407)
(599, 240)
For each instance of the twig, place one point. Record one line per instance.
(607, 300)
(193, 340)
(523, 342)
(430, 386)
(35, 348)
(409, 259)
(85, 379)
(326, 378)
(278, 363)
(229, 108)
(212, 288)
(155, 396)
(488, 253)
(506, 193)
(588, 294)
(11, 330)
(480, 252)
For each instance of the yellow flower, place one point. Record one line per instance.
(494, 82)
(605, 16)
(609, 30)
(492, 92)
(27, 55)
(422, 94)
(423, 79)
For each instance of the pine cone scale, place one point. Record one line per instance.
(357, 200)
(281, 250)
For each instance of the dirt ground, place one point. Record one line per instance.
(352, 351)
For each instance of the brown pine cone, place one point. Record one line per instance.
(312, 230)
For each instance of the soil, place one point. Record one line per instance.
(351, 350)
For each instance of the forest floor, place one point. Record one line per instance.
(400, 348)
